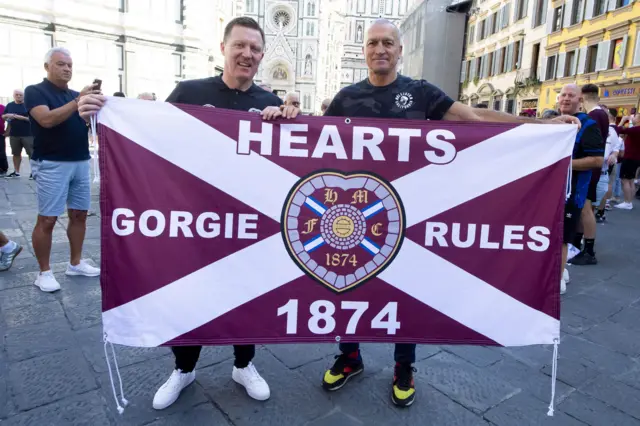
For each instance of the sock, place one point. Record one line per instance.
(577, 241)
(589, 243)
(9, 247)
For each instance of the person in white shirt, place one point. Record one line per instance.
(612, 151)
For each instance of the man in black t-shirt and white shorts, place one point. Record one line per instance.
(386, 94)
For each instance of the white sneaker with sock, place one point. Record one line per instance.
(624, 206)
(255, 385)
(563, 286)
(82, 268)
(47, 282)
(170, 390)
(565, 276)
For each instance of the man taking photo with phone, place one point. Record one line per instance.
(60, 165)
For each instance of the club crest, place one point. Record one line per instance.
(342, 229)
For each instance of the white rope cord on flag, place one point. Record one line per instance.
(569, 176)
(94, 137)
(113, 387)
(554, 376)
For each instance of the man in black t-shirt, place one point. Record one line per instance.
(20, 136)
(386, 94)
(243, 49)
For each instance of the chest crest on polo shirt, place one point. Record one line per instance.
(404, 100)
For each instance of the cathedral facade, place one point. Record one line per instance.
(292, 46)
(360, 14)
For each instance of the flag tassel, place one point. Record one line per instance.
(554, 375)
(113, 387)
(94, 138)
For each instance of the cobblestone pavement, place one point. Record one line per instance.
(53, 372)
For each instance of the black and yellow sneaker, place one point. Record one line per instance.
(403, 392)
(345, 367)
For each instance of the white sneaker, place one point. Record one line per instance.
(563, 286)
(170, 391)
(624, 206)
(47, 282)
(565, 276)
(82, 268)
(255, 385)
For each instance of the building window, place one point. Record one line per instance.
(557, 19)
(306, 102)
(311, 9)
(496, 23)
(535, 57)
(177, 64)
(569, 64)
(250, 4)
(622, 3)
(490, 65)
(540, 13)
(179, 11)
(497, 102)
(122, 7)
(472, 33)
(551, 68)
(120, 55)
(576, 12)
(311, 29)
(517, 51)
(599, 7)
(511, 106)
(592, 58)
(521, 9)
(619, 52)
(481, 30)
(503, 60)
(636, 52)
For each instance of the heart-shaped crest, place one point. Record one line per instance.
(343, 229)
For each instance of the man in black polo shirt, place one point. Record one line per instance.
(19, 131)
(243, 49)
(60, 165)
(386, 94)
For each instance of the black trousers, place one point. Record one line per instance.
(404, 353)
(4, 165)
(187, 356)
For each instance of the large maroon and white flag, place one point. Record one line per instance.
(219, 228)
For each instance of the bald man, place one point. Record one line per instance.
(292, 99)
(588, 154)
(20, 136)
(386, 94)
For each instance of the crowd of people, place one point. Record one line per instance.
(595, 189)
(60, 159)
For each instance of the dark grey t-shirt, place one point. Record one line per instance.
(404, 98)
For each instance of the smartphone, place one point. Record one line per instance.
(98, 83)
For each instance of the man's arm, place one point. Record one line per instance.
(587, 163)
(628, 130)
(48, 118)
(462, 112)
(592, 145)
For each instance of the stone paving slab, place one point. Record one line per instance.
(53, 371)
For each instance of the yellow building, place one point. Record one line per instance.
(593, 41)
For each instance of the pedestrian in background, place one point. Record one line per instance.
(4, 165)
(60, 165)
(20, 136)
